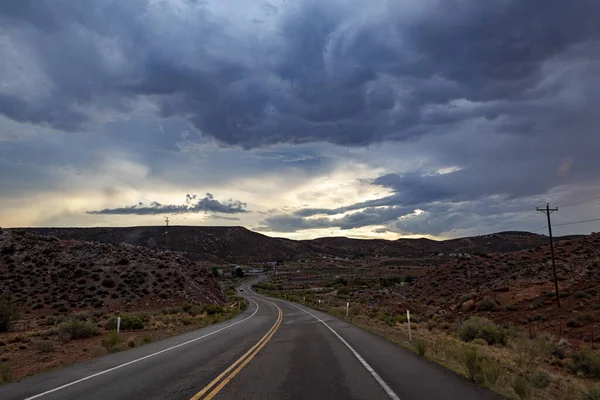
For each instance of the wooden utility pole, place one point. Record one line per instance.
(549, 211)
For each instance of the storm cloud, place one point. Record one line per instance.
(343, 72)
(206, 204)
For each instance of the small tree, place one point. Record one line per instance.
(214, 271)
(8, 312)
(238, 273)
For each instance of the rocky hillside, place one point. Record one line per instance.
(578, 259)
(45, 274)
(240, 245)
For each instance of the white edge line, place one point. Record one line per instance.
(142, 358)
(374, 374)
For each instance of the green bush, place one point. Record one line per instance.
(487, 305)
(491, 372)
(480, 342)
(76, 329)
(5, 372)
(146, 339)
(128, 322)
(519, 385)
(111, 342)
(45, 346)
(573, 323)
(344, 291)
(482, 328)
(212, 309)
(537, 303)
(473, 363)
(421, 347)
(512, 307)
(579, 294)
(540, 379)
(8, 312)
(588, 318)
(591, 394)
(586, 362)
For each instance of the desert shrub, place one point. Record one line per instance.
(588, 318)
(172, 310)
(187, 307)
(482, 328)
(146, 339)
(212, 309)
(466, 297)
(5, 372)
(76, 329)
(487, 305)
(108, 283)
(540, 379)
(480, 342)
(45, 346)
(420, 346)
(537, 317)
(579, 294)
(520, 386)
(473, 363)
(111, 342)
(8, 312)
(344, 291)
(128, 322)
(491, 372)
(537, 303)
(131, 343)
(573, 323)
(591, 394)
(586, 362)
(512, 307)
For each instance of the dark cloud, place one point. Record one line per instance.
(207, 204)
(323, 75)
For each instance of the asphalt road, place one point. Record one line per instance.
(274, 350)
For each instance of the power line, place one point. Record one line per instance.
(577, 222)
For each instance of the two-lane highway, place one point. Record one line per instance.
(274, 350)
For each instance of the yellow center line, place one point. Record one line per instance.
(245, 359)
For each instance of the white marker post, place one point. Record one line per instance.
(118, 324)
(304, 299)
(319, 302)
(347, 308)
(408, 320)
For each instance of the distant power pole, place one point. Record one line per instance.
(549, 211)
(167, 234)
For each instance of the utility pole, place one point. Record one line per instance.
(167, 234)
(549, 211)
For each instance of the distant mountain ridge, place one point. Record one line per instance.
(240, 245)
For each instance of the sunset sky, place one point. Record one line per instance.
(380, 119)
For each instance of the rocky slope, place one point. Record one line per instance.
(46, 274)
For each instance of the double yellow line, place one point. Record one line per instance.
(240, 363)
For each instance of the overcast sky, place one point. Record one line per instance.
(380, 118)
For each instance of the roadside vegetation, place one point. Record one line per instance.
(505, 359)
(68, 338)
